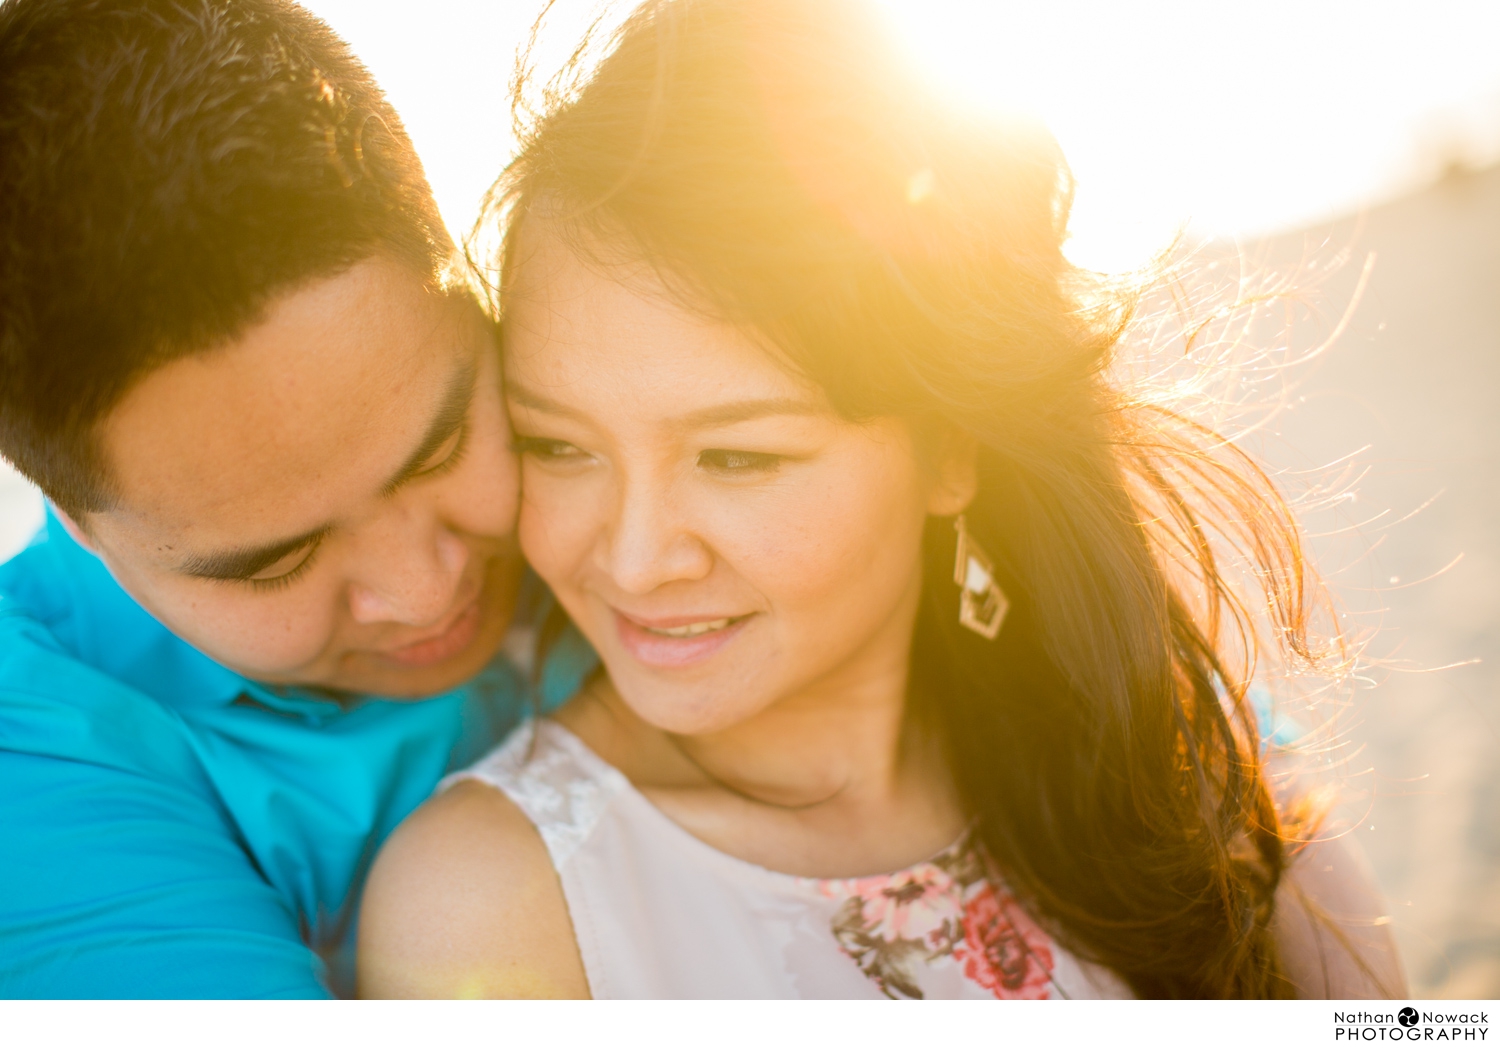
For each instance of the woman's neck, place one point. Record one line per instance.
(831, 781)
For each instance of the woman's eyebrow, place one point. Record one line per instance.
(528, 399)
(755, 408)
(713, 415)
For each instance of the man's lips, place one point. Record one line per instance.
(454, 639)
(677, 641)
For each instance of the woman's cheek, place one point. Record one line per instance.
(845, 551)
(829, 528)
(556, 524)
(807, 568)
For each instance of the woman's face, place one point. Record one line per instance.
(724, 539)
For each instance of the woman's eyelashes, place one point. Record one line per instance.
(721, 462)
(548, 450)
(734, 463)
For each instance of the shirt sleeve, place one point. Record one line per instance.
(117, 883)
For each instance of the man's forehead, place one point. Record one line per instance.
(300, 420)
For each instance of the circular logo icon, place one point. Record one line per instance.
(1407, 1016)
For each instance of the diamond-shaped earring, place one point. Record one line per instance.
(982, 605)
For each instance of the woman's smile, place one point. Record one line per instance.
(679, 641)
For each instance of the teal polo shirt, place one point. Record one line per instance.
(171, 829)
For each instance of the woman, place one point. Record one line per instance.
(922, 673)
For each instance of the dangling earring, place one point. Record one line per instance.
(982, 605)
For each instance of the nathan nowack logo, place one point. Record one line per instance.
(1411, 1026)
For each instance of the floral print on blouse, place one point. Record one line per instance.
(945, 912)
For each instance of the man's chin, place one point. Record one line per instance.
(434, 665)
(426, 668)
(422, 671)
(412, 685)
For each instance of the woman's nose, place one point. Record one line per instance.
(651, 543)
(408, 568)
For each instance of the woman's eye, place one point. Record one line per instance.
(548, 450)
(729, 461)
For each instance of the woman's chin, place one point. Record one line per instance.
(682, 709)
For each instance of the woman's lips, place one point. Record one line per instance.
(455, 639)
(693, 639)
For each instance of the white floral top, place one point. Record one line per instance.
(661, 914)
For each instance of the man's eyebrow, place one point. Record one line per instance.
(244, 562)
(714, 415)
(450, 416)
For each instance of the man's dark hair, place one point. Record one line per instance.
(166, 168)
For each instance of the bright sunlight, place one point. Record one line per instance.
(1233, 118)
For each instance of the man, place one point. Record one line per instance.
(263, 617)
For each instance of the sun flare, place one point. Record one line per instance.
(1232, 117)
(1224, 118)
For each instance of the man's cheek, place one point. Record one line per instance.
(485, 510)
(483, 497)
(267, 636)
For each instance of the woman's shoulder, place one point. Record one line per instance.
(552, 777)
(464, 902)
(1332, 926)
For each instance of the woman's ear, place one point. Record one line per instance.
(956, 474)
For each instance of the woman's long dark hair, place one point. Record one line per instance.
(778, 167)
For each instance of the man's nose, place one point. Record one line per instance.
(651, 542)
(407, 569)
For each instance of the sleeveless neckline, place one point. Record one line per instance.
(659, 913)
(591, 760)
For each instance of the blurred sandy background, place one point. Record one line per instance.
(1246, 118)
(1412, 390)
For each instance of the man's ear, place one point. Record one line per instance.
(77, 531)
(956, 470)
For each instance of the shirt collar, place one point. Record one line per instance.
(112, 631)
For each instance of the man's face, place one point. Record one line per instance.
(330, 499)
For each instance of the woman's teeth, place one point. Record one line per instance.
(690, 630)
